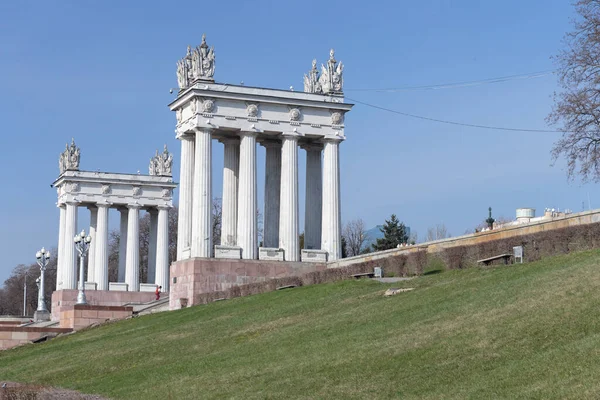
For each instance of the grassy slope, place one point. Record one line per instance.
(523, 331)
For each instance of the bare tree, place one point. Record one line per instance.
(217, 218)
(576, 108)
(355, 234)
(437, 232)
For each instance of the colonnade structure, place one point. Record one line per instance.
(280, 120)
(128, 193)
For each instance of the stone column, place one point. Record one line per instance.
(101, 246)
(69, 266)
(122, 245)
(331, 227)
(91, 258)
(202, 197)
(152, 246)
(288, 218)
(314, 197)
(247, 221)
(61, 244)
(272, 192)
(162, 249)
(186, 185)
(132, 269)
(229, 209)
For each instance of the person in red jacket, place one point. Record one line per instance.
(158, 292)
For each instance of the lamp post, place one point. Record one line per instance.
(42, 314)
(82, 244)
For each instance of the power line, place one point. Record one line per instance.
(498, 128)
(530, 75)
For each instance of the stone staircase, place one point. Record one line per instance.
(150, 307)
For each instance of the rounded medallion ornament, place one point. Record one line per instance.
(294, 114)
(208, 105)
(252, 110)
(336, 118)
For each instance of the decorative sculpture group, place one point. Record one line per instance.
(197, 65)
(331, 79)
(161, 164)
(69, 159)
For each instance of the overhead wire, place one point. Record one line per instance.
(530, 75)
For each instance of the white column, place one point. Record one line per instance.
(152, 246)
(61, 245)
(162, 249)
(69, 266)
(272, 192)
(186, 185)
(122, 245)
(229, 209)
(132, 268)
(331, 227)
(314, 197)
(202, 197)
(247, 202)
(91, 259)
(288, 217)
(101, 246)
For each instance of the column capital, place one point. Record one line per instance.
(229, 140)
(267, 143)
(335, 139)
(205, 130)
(312, 146)
(184, 135)
(162, 207)
(248, 133)
(72, 203)
(133, 206)
(291, 135)
(103, 205)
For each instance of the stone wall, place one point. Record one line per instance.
(80, 316)
(200, 275)
(12, 336)
(570, 220)
(68, 297)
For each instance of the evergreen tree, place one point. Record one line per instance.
(394, 233)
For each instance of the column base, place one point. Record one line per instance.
(186, 253)
(40, 316)
(91, 286)
(231, 252)
(309, 255)
(270, 253)
(118, 286)
(148, 287)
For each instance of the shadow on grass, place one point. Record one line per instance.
(433, 272)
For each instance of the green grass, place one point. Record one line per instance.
(520, 331)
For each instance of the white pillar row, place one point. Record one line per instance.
(152, 246)
(331, 227)
(69, 253)
(289, 240)
(314, 196)
(132, 268)
(229, 208)
(122, 245)
(202, 196)
(186, 185)
(61, 245)
(101, 246)
(162, 249)
(91, 271)
(247, 200)
(272, 192)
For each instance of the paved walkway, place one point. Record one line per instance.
(392, 280)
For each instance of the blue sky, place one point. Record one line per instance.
(101, 71)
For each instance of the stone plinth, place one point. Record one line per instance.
(148, 287)
(68, 297)
(80, 316)
(270, 253)
(118, 286)
(314, 256)
(40, 316)
(229, 252)
(12, 336)
(91, 286)
(201, 275)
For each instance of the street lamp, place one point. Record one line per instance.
(82, 244)
(42, 314)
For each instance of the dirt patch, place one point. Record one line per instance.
(17, 391)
